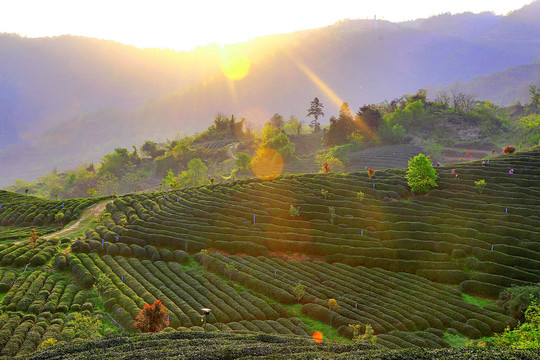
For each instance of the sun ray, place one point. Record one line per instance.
(235, 65)
(331, 94)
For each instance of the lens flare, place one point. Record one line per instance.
(317, 336)
(267, 164)
(235, 65)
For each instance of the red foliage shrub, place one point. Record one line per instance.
(509, 149)
(370, 172)
(326, 168)
(152, 318)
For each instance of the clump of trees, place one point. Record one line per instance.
(526, 335)
(436, 123)
(224, 128)
(195, 175)
(515, 300)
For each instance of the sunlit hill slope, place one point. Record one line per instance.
(399, 263)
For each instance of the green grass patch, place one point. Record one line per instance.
(108, 327)
(83, 226)
(314, 325)
(455, 341)
(192, 264)
(477, 301)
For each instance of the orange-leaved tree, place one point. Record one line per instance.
(508, 149)
(32, 240)
(152, 318)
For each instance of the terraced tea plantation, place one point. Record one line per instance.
(36, 302)
(364, 250)
(481, 242)
(208, 345)
(19, 214)
(383, 157)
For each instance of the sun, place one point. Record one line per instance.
(235, 65)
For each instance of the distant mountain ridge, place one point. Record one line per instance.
(360, 61)
(502, 87)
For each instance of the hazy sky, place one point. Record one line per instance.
(182, 25)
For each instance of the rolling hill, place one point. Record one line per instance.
(408, 266)
(503, 87)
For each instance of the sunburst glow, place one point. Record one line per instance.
(235, 66)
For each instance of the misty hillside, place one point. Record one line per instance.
(503, 87)
(125, 94)
(46, 81)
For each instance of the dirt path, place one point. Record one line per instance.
(91, 212)
(230, 148)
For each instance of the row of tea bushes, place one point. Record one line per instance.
(196, 343)
(369, 224)
(148, 252)
(382, 157)
(20, 210)
(284, 326)
(40, 291)
(21, 232)
(7, 279)
(200, 344)
(388, 301)
(22, 334)
(19, 254)
(183, 292)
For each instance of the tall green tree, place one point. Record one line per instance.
(421, 175)
(370, 116)
(277, 121)
(115, 162)
(107, 184)
(342, 128)
(282, 144)
(198, 170)
(151, 149)
(315, 110)
(243, 162)
(292, 126)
